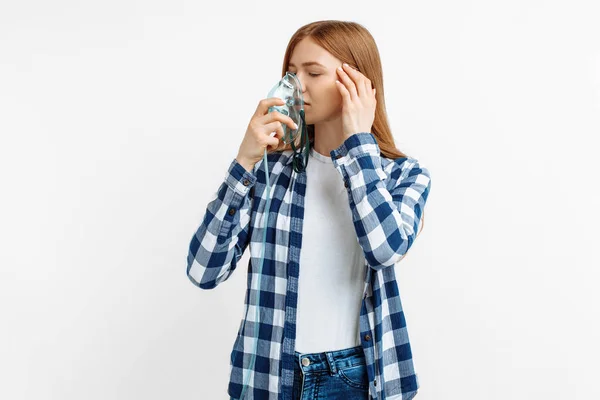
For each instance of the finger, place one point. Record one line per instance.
(277, 116)
(344, 92)
(348, 82)
(264, 104)
(275, 139)
(274, 129)
(274, 145)
(363, 84)
(368, 86)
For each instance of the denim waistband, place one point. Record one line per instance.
(330, 361)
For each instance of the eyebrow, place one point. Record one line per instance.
(308, 63)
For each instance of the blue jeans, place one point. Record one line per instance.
(339, 374)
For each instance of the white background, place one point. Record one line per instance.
(118, 120)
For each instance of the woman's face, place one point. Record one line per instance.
(315, 67)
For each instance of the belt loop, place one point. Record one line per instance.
(331, 362)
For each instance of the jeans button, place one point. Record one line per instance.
(305, 361)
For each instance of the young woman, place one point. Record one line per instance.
(331, 320)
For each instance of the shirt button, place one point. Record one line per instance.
(246, 182)
(367, 337)
(231, 211)
(338, 156)
(375, 382)
(305, 361)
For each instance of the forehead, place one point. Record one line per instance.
(307, 51)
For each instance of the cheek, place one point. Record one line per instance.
(335, 99)
(331, 95)
(326, 97)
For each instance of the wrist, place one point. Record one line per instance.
(248, 166)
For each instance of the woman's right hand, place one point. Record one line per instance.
(258, 135)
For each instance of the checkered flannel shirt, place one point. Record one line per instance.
(386, 197)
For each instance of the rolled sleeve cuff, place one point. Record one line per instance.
(239, 179)
(359, 155)
(362, 143)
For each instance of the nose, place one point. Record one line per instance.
(301, 79)
(302, 85)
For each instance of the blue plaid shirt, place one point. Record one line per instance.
(386, 198)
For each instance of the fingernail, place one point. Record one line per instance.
(295, 126)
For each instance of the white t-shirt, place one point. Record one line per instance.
(332, 264)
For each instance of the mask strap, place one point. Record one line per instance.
(300, 160)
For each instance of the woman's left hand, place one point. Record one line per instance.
(358, 97)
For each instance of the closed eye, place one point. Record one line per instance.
(311, 75)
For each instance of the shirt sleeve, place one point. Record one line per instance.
(386, 216)
(224, 233)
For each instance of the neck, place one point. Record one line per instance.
(328, 136)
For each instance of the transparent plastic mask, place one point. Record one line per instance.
(289, 90)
